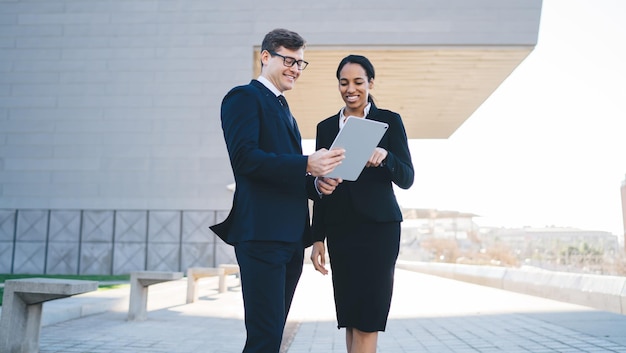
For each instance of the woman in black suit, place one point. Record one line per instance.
(360, 221)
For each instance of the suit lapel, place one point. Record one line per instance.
(293, 127)
(294, 132)
(333, 130)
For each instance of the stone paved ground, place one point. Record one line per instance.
(429, 314)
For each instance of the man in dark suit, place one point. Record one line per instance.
(269, 220)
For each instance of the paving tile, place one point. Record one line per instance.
(428, 314)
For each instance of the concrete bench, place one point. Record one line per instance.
(195, 273)
(22, 306)
(230, 269)
(139, 283)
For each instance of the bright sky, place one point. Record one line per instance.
(548, 148)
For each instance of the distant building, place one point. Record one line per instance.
(453, 236)
(624, 209)
(557, 248)
(530, 241)
(424, 225)
(427, 223)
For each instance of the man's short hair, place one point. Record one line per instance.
(281, 37)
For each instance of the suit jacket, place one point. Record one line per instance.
(272, 189)
(370, 198)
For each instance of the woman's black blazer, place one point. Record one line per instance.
(370, 198)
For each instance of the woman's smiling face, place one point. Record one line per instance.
(354, 86)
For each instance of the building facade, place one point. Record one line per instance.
(623, 189)
(111, 152)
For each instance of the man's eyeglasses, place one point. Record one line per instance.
(289, 61)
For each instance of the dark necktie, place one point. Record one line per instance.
(283, 102)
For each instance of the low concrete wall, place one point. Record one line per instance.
(105, 242)
(601, 292)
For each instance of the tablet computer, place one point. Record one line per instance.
(359, 137)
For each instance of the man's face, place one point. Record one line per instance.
(274, 69)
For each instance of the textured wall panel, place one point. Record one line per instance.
(96, 258)
(163, 257)
(32, 225)
(6, 256)
(197, 255)
(131, 226)
(29, 257)
(198, 242)
(129, 257)
(97, 226)
(64, 226)
(164, 227)
(130, 247)
(224, 253)
(7, 225)
(62, 258)
(110, 242)
(196, 226)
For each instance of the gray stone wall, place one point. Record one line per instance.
(110, 139)
(115, 104)
(102, 242)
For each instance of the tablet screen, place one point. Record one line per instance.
(359, 137)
